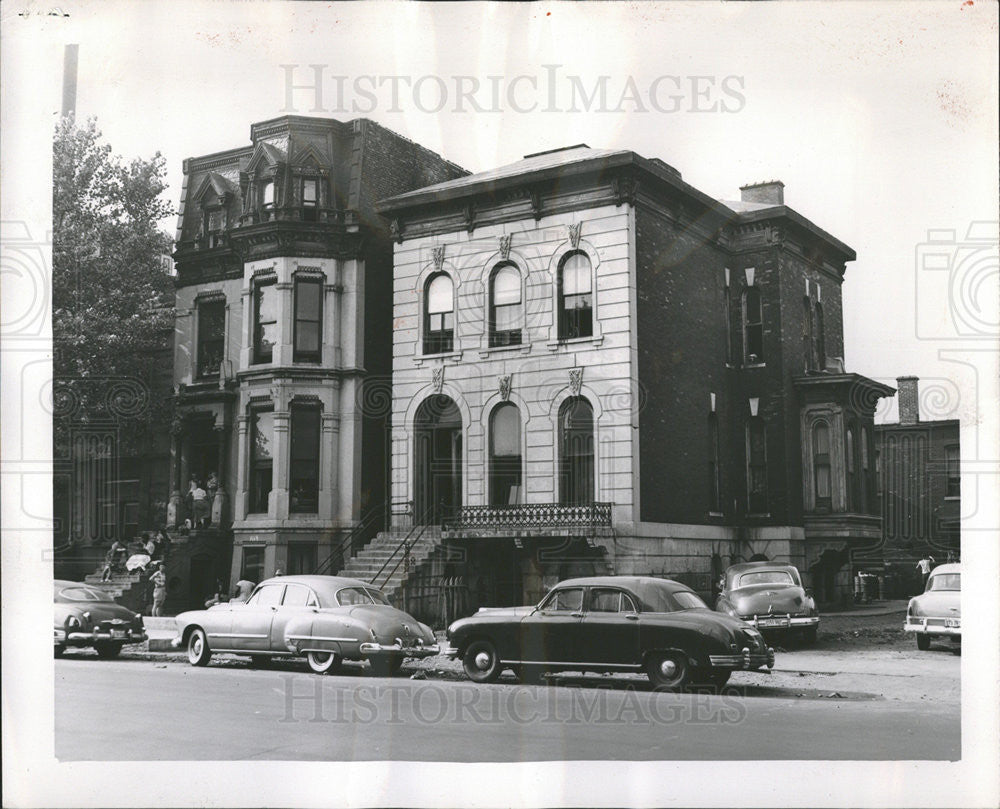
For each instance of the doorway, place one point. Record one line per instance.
(438, 460)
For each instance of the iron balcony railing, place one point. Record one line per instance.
(529, 515)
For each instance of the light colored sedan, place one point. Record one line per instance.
(937, 612)
(326, 619)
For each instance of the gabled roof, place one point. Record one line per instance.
(267, 153)
(214, 182)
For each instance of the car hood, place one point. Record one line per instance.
(99, 610)
(939, 603)
(759, 598)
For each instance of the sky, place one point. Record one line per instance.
(881, 119)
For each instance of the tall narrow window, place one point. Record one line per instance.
(505, 456)
(808, 344)
(308, 319)
(756, 466)
(576, 452)
(878, 472)
(576, 301)
(867, 490)
(505, 306)
(820, 339)
(852, 497)
(265, 307)
(753, 327)
(728, 314)
(304, 470)
(267, 194)
(261, 459)
(821, 465)
(953, 470)
(310, 198)
(714, 480)
(439, 316)
(211, 332)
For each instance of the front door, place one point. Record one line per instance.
(553, 632)
(251, 630)
(437, 460)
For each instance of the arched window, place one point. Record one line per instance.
(505, 306)
(505, 456)
(753, 327)
(821, 464)
(576, 452)
(852, 498)
(820, 338)
(756, 466)
(576, 300)
(439, 314)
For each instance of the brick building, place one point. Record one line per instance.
(920, 490)
(282, 265)
(597, 367)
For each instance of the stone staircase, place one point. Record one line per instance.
(128, 589)
(384, 554)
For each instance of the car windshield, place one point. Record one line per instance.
(83, 594)
(765, 577)
(352, 596)
(945, 581)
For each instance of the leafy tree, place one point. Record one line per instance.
(111, 297)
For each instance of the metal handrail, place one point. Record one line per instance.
(405, 544)
(348, 541)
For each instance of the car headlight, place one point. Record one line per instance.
(73, 622)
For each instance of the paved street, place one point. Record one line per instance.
(892, 703)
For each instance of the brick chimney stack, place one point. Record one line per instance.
(909, 399)
(770, 193)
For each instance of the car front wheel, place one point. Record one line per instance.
(107, 650)
(322, 662)
(198, 652)
(923, 642)
(668, 670)
(481, 662)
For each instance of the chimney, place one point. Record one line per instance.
(909, 400)
(770, 193)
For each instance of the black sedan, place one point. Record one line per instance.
(87, 616)
(610, 624)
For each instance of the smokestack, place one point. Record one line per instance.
(770, 193)
(909, 399)
(70, 56)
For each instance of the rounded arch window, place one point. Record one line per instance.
(439, 314)
(505, 306)
(505, 455)
(576, 451)
(576, 299)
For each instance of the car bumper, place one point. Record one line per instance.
(783, 622)
(398, 648)
(921, 626)
(743, 661)
(62, 638)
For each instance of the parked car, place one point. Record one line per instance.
(937, 612)
(769, 596)
(327, 619)
(610, 624)
(88, 616)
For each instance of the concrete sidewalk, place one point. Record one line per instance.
(160, 631)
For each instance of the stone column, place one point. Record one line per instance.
(220, 505)
(240, 478)
(278, 503)
(329, 452)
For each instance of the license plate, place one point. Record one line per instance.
(118, 633)
(952, 622)
(772, 622)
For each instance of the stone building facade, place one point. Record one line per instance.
(282, 321)
(597, 367)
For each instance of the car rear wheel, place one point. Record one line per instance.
(481, 662)
(107, 649)
(323, 662)
(923, 642)
(198, 652)
(668, 670)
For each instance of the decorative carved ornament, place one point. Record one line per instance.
(505, 246)
(437, 253)
(437, 379)
(504, 382)
(574, 235)
(576, 380)
(395, 231)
